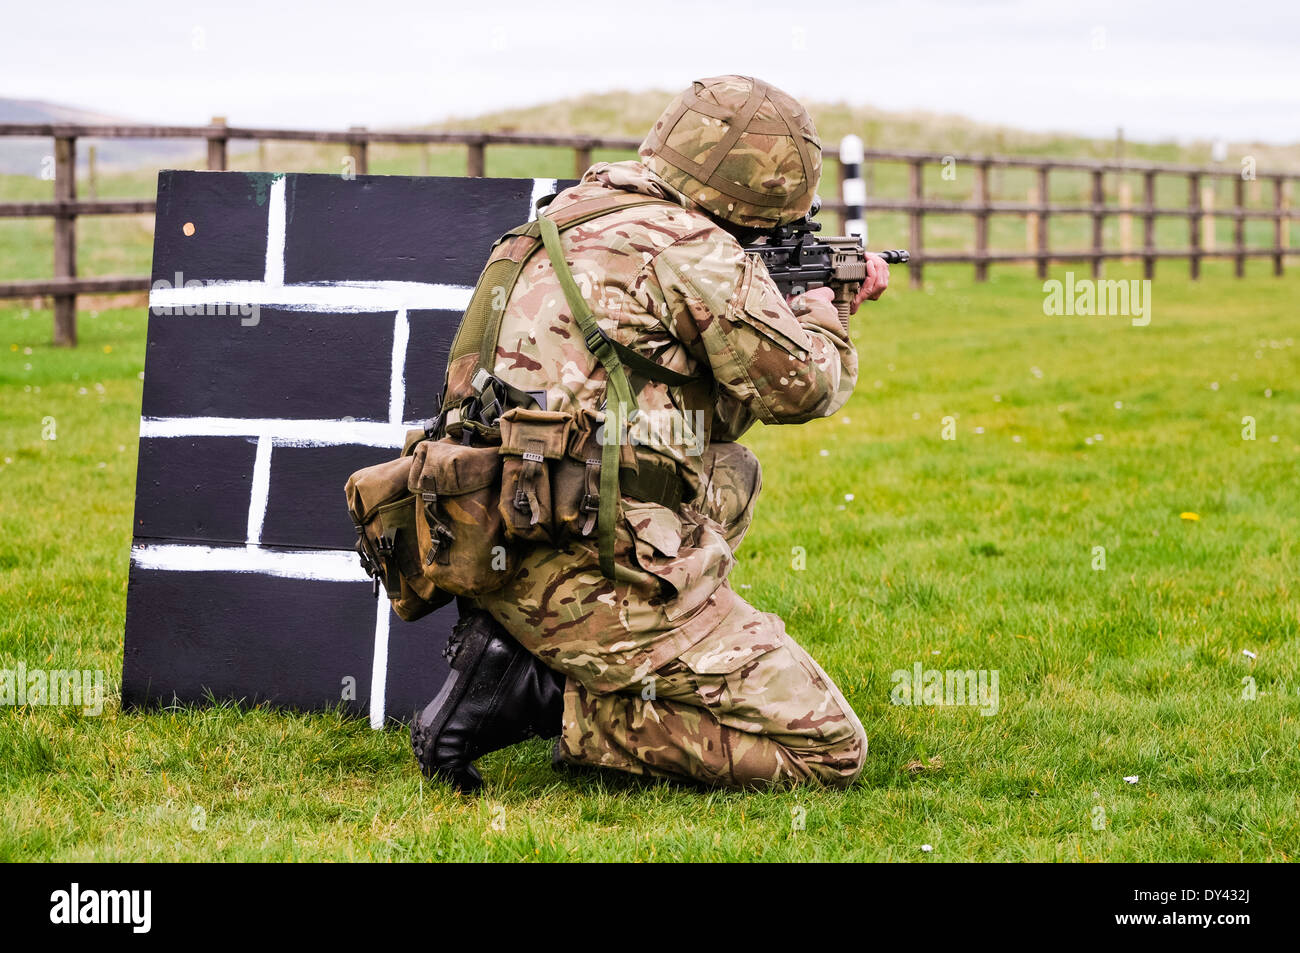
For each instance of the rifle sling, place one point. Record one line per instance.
(617, 401)
(655, 483)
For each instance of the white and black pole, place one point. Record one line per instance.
(853, 190)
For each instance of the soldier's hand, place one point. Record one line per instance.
(876, 282)
(817, 307)
(816, 294)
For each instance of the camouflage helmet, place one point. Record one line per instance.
(745, 151)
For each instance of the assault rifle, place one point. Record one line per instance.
(799, 261)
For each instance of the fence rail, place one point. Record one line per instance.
(66, 285)
(1039, 209)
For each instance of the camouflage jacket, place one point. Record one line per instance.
(667, 281)
(670, 283)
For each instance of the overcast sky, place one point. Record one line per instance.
(1184, 70)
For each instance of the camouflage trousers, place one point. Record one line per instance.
(737, 702)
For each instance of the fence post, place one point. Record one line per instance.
(358, 149)
(261, 155)
(476, 160)
(853, 190)
(65, 239)
(92, 176)
(1125, 219)
(581, 159)
(915, 230)
(1278, 202)
(1148, 225)
(1194, 222)
(839, 171)
(1098, 220)
(217, 146)
(982, 222)
(1044, 190)
(1031, 220)
(1239, 226)
(1208, 224)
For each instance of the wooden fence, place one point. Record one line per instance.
(66, 285)
(1039, 209)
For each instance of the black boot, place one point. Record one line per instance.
(496, 695)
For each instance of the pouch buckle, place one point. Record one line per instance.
(596, 340)
(591, 501)
(441, 538)
(369, 563)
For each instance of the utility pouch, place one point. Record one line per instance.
(462, 543)
(575, 481)
(383, 511)
(531, 442)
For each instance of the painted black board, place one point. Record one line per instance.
(298, 325)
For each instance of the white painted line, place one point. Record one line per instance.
(379, 668)
(323, 565)
(331, 297)
(261, 490)
(282, 433)
(540, 187)
(397, 387)
(275, 218)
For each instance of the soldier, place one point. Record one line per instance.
(664, 670)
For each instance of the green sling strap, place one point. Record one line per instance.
(617, 402)
(481, 326)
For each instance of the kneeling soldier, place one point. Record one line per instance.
(663, 670)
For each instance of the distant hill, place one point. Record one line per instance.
(625, 113)
(23, 156)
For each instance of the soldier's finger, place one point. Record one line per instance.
(861, 296)
(874, 283)
(883, 277)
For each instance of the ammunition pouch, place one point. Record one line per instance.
(531, 442)
(575, 481)
(382, 508)
(462, 543)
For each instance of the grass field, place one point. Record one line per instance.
(973, 553)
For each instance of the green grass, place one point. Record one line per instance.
(974, 553)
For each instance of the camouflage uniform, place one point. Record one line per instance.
(670, 673)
